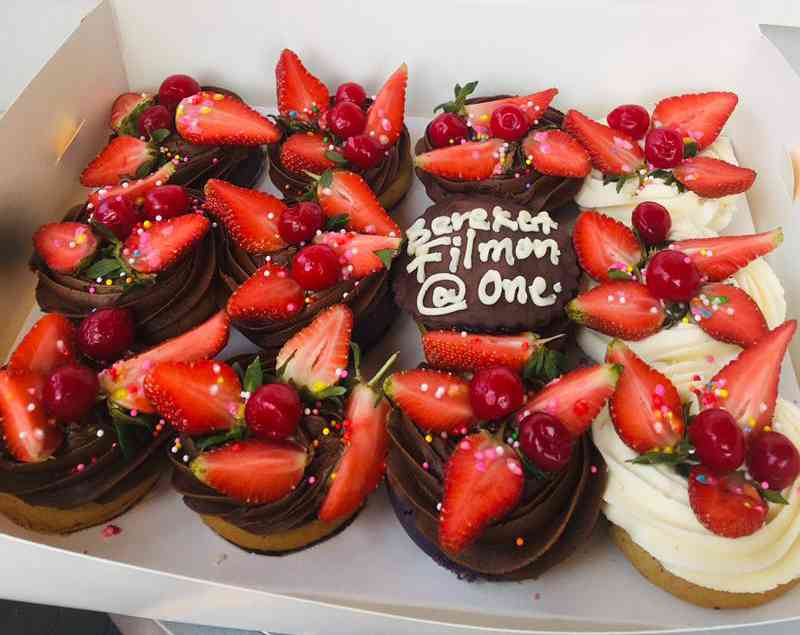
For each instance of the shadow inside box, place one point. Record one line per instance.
(19, 618)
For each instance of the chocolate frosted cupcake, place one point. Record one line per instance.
(346, 130)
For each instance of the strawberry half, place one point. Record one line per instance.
(462, 351)
(534, 106)
(253, 471)
(250, 217)
(209, 118)
(624, 309)
(124, 157)
(363, 464)
(305, 151)
(432, 399)
(165, 242)
(483, 481)
(196, 397)
(556, 153)
(646, 408)
(748, 386)
(604, 245)
(469, 161)
(316, 356)
(124, 381)
(65, 247)
(575, 398)
(269, 294)
(28, 434)
(346, 193)
(712, 178)
(720, 258)
(612, 151)
(386, 114)
(134, 191)
(126, 110)
(700, 117)
(51, 342)
(728, 505)
(728, 314)
(362, 254)
(300, 94)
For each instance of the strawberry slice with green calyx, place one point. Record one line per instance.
(28, 434)
(727, 505)
(317, 357)
(269, 294)
(126, 110)
(165, 242)
(343, 193)
(483, 481)
(51, 342)
(300, 95)
(361, 254)
(606, 248)
(210, 118)
(386, 114)
(728, 314)
(253, 471)
(624, 309)
(719, 258)
(306, 151)
(646, 407)
(748, 386)
(124, 381)
(434, 400)
(134, 191)
(556, 153)
(249, 216)
(534, 106)
(65, 247)
(197, 398)
(612, 151)
(123, 158)
(469, 161)
(700, 117)
(576, 398)
(713, 178)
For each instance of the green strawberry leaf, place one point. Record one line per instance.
(253, 376)
(386, 256)
(335, 223)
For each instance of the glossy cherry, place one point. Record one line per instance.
(154, 118)
(508, 122)
(446, 129)
(273, 411)
(299, 223)
(545, 441)
(106, 334)
(316, 267)
(176, 88)
(663, 148)
(346, 119)
(773, 459)
(718, 441)
(350, 91)
(363, 151)
(672, 276)
(70, 392)
(652, 221)
(118, 215)
(165, 201)
(495, 392)
(631, 119)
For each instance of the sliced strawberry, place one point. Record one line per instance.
(209, 118)
(316, 356)
(28, 434)
(386, 115)
(728, 314)
(700, 117)
(748, 386)
(124, 157)
(65, 247)
(124, 381)
(305, 151)
(469, 161)
(604, 245)
(462, 351)
(624, 309)
(165, 242)
(432, 399)
(250, 217)
(134, 191)
(253, 471)
(534, 106)
(126, 110)
(612, 151)
(269, 294)
(728, 505)
(362, 254)
(719, 258)
(196, 397)
(51, 342)
(300, 94)
(482, 482)
(712, 178)
(575, 398)
(363, 464)
(346, 193)
(646, 407)
(556, 153)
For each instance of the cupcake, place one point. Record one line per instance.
(277, 463)
(349, 130)
(510, 148)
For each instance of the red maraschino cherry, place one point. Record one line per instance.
(773, 459)
(166, 201)
(299, 223)
(316, 267)
(350, 91)
(363, 151)
(175, 89)
(273, 411)
(495, 392)
(346, 119)
(446, 129)
(508, 122)
(652, 221)
(70, 392)
(106, 334)
(631, 119)
(718, 441)
(545, 441)
(154, 118)
(663, 148)
(672, 276)
(118, 215)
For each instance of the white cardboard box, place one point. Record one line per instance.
(371, 578)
